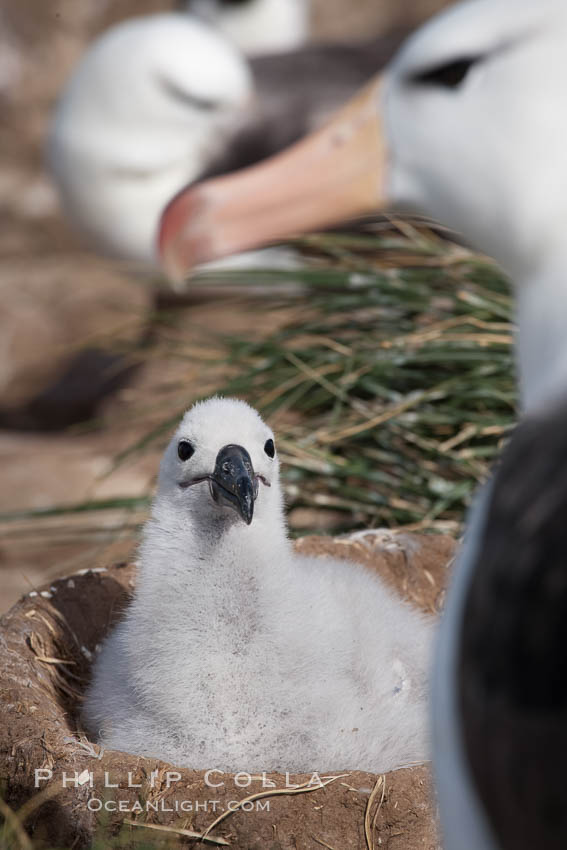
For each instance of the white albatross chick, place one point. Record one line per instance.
(236, 652)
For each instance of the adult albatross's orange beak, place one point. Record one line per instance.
(333, 175)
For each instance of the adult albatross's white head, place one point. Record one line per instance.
(467, 125)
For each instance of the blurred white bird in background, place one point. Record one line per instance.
(152, 101)
(152, 104)
(161, 101)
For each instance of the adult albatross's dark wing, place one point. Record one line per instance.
(512, 662)
(296, 92)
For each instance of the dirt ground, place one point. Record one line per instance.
(64, 312)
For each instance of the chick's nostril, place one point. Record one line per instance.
(245, 488)
(245, 492)
(233, 481)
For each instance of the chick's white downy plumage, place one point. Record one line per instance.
(238, 653)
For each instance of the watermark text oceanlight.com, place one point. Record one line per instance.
(95, 804)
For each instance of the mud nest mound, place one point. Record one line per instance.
(65, 789)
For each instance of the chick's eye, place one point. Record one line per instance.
(449, 75)
(185, 450)
(269, 448)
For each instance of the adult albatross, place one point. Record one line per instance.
(468, 125)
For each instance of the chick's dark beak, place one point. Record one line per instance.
(233, 483)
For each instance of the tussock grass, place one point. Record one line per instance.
(393, 387)
(391, 382)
